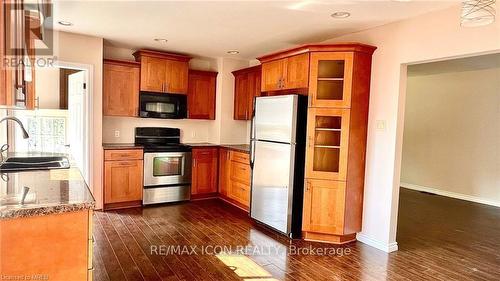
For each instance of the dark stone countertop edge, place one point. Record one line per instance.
(245, 148)
(56, 208)
(109, 146)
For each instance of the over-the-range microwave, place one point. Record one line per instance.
(161, 105)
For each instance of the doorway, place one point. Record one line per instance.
(60, 121)
(449, 200)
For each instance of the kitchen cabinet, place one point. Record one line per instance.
(123, 178)
(204, 171)
(61, 246)
(201, 94)
(286, 73)
(337, 79)
(234, 181)
(328, 137)
(331, 79)
(224, 171)
(17, 86)
(324, 206)
(246, 88)
(163, 72)
(121, 88)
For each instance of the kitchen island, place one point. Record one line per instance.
(47, 233)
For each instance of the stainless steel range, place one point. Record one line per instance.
(167, 165)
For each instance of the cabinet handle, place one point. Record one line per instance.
(166, 87)
(308, 186)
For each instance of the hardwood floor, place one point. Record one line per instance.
(128, 247)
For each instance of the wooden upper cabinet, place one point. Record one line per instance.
(201, 94)
(272, 75)
(204, 171)
(120, 88)
(153, 74)
(163, 72)
(331, 79)
(327, 143)
(297, 72)
(246, 88)
(286, 73)
(177, 77)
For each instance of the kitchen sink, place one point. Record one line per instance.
(17, 164)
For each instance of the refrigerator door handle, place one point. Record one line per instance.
(252, 136)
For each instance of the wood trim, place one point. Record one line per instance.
(122, 205)
(203, 72)
(341, 47)
(203, 196)
(328, 238)
(234, 203)
(158, 54)
(122, 62)
(247, 70)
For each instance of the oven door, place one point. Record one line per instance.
(167, 168)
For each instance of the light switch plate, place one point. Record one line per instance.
(381, 125)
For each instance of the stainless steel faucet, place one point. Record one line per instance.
(4, 147)
(25, 134)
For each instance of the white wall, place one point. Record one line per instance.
(451, 138)
(432, 36)
(192, 130)
(88, 50)
(47, 87)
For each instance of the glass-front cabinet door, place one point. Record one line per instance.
(331, 79)
(327, 140)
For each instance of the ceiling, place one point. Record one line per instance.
(455, 65)
(211, 28)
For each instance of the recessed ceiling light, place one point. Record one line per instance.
(162, 40)
(65, 23)
(233, 52)
(340, 15)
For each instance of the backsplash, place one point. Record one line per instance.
(191, 130)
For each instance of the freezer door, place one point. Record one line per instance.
(272, 184)
(275, 118)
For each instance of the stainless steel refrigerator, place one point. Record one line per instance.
(277, 157)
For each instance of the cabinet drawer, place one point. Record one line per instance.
(240, 192)
(119, 154)
(240, 172)
(240, 157)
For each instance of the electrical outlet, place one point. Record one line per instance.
(117, 134)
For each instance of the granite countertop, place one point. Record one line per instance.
(50, 192)
(121, 146)
(245, 148)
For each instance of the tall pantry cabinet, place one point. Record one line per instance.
(338, 90)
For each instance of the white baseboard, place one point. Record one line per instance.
(450, 194)
(388, 248)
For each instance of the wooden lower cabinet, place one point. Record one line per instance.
(204, 172)
(224, 171)
(324, 213)
(234, 178)
(49, 247)
(123, 178)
